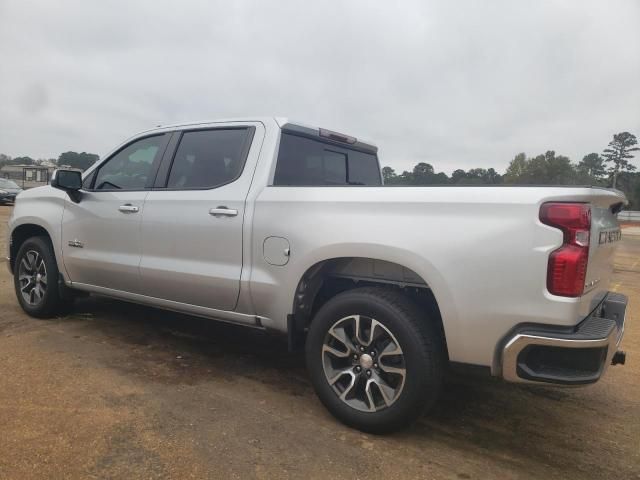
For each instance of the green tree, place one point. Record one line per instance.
(405, 178)
(422, 174)
(77, 160)
(543, 169)
(22, 161)
(492, 177)
(516, 171)
(440, 178)
(592, 165)
(389, 175)
(618, 153)
(591, 170)
(559, 170)
(458, 176)
(476, 176)
(629, 183)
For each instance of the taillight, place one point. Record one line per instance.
(567, 268)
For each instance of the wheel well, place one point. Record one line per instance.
(326, 279)
(22, 233)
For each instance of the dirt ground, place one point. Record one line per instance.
(120, 391)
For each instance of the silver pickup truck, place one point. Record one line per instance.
(279, 226)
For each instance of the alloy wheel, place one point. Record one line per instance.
(32, 277)
(363, 363)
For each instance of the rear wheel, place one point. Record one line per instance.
(375, 359)
(36, 278)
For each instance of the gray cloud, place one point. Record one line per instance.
(457, 84)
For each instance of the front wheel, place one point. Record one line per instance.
(36, 278)
(375, 359)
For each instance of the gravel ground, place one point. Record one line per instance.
(120, 391)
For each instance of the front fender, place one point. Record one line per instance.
(43, 207)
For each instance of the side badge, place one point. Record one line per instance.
(76, 243)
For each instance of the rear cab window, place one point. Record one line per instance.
(304, 160)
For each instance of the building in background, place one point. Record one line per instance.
(28, 176)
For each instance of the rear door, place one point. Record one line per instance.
(101, 233)
(191, 231)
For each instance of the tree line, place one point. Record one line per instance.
(67, 159)
(611, 168)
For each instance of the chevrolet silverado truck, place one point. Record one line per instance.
(278, 226)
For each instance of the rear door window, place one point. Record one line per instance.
(209, 158)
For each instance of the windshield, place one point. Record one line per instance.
(4, 183)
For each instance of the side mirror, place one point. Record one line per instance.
(68, 180)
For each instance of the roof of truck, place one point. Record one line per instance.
(284, 123)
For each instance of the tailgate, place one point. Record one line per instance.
(605, 235)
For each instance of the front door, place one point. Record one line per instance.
(101, 233)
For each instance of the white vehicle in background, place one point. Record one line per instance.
(274, 225)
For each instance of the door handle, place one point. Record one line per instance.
(223, 212)
(128, 208)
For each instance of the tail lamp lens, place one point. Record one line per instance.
(567, 268)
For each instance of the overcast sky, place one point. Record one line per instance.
(458, 84)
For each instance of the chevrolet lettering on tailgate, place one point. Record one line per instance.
(610, 236)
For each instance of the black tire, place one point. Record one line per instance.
(419, 338)
(51, 303)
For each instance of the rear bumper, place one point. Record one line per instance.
(574, 356)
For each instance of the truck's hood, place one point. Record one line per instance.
(44, 190)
